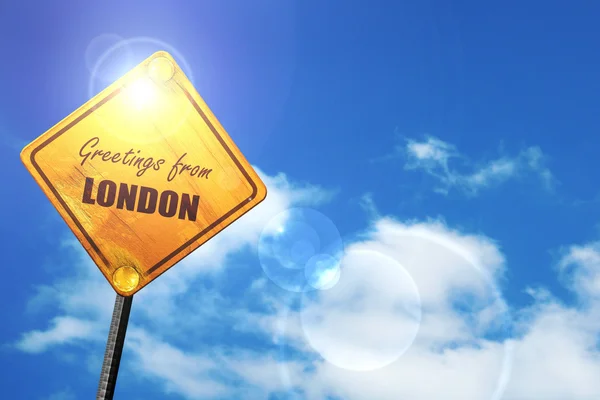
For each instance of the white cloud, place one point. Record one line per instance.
(554, 354)
(462, 348)
(431, 152)
(557, 355)
(580, 267)
(63, 330)
(181, 372)
(434, 156)
(174, 304)
(368, 320)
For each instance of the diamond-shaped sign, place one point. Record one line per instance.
(143, 174)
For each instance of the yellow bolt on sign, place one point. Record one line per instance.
(143, 174)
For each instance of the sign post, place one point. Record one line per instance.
(143, 174)
(114, 348)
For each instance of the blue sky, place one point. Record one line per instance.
(451, 145)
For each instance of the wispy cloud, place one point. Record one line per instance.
(368, 205)
(62, 330)
(182, 372)
(454, 171)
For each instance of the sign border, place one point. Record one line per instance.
(181, 248)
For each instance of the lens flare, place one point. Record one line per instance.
(118, 58)
(322, 271)
(298, 248)
(369, 318)
(161, 69)
(141, 93)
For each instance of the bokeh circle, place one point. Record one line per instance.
(377, 288)
(342, 327)
(300, 250)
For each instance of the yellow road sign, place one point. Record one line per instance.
(143, 174)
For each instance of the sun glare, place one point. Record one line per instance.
(141, 93)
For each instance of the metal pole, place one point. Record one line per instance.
(114, 348)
